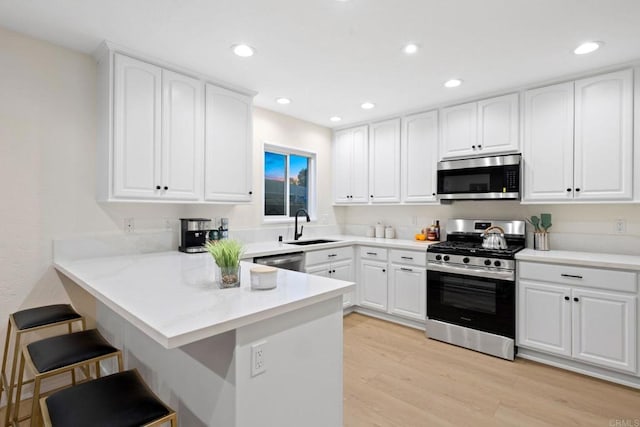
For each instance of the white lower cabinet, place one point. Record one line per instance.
(335, 264)
(596, 326)
(408, 291)
(394, 281)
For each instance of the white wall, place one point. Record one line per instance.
(47, 167)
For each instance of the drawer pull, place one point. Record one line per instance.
(574, 276)
(372, 253)
(332, 255)
(566, 298)
(406, 269)
(407, 257)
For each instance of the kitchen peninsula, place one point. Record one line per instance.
(196, 345)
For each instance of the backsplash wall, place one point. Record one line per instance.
(587, 227)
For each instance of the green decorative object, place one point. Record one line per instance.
(226, 253)
(545, 221)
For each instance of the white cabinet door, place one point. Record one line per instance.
(342, 170)
(604, 329)
(419, 153)
(544, 317)
(548, 143)
(604, 137)
(384, 161)
(351, 166)
(137, 127)
(498, 125)
(408, 292)
(182, 136)
(458, 131)
(373, 285)
(228, 146)
(360, 166)
(323, 270)
(343, 270)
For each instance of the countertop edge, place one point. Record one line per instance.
(585, 259)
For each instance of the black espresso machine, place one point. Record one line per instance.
(194, 234)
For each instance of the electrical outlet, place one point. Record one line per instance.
(257, 358)
(129, 225)
(621, 226)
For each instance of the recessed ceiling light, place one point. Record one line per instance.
(243, 50)
(410, 49)
(367, 105)
(335, 118)
(283, 101)
(587, 47)
(453, 83)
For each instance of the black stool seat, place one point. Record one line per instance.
(39, 316)
(64, 350)
(121, 399)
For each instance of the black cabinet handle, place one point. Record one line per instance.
(573, 276)
(384, 271)
(333, 271)
(371, 196)
(577, 189)
(158, 187)
(372, 253)
(479, 146)
(406, 269)
(473, 146)
(568, 190)
(166, 188)
(250, 192)
(433, 194)
(576, 299)
(332, 255)
(407, 257)
(566, 298)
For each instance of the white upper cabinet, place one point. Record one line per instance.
(459, 130)
(548, 143)
(228, 146)
(384, 161)
(419, 153)
(581, 153)
(486, 127)
(604, 137)
(151, 135)
(137, 129)
(182, 136)
(498, 125)
(350, 165)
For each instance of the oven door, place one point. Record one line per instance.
(480, 303)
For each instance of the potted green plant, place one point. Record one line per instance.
(226, 253)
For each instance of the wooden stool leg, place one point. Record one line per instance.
(35, 410)
(4, 359)
(10, 387)
(18, 392)
(97, 370)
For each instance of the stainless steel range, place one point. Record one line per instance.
(471, 289)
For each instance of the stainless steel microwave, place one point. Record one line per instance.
(495, 177)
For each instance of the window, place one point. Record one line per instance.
(288, 182)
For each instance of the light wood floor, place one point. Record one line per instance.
(394, 376)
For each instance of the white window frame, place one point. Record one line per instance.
(311, 177)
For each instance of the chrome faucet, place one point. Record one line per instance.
(297, 235)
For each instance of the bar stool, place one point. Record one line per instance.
(30, 320)
(121, 399)
(58, 355)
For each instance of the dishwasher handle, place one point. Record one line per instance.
(280, 259)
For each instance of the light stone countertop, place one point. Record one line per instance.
(273, 248)
(172, 296)
(587, 259)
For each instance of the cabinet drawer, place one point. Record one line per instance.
(370, 252)
(408, 257)
(580, 276)
(328, 255)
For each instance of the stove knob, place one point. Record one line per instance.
(497, 263)
(465, 260)
(446, 258)
(487, 262)
(438, 257)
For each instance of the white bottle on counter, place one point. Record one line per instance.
(380, 230)
(389, 232)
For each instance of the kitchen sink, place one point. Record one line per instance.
(310, 242)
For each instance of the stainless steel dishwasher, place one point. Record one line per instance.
(289, 261)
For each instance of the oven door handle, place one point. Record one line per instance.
(477, 272)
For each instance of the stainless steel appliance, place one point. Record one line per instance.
(193, 234)
(289, 261)
(496, 177)
(471, 290)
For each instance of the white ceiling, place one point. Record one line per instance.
(329, 56)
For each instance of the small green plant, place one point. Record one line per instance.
(226, 253)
